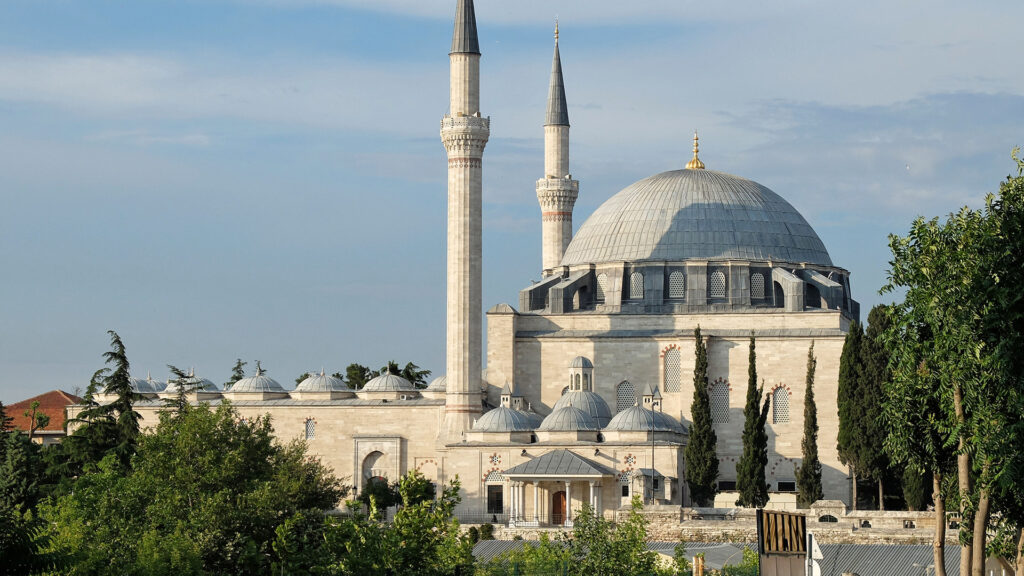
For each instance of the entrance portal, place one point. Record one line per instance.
(558, 508)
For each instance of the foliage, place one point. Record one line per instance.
(916, 488)
(5, 420)
(237, 373)
(808, 474)
(487, 531)
(36, 419)
(206, 491)
(701, 452)
(22, 545)
(357, 375)
(749, 566)
(379, 494)
(751, 468)
(21, 471)
(544, 556)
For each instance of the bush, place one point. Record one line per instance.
(487, 531)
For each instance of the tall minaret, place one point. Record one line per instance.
(556, 191)
(464, 134)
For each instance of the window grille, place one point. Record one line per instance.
(716, 286)
(310, 428)
(780, 406)
(676, 285)
(757, 286)
(602, 287)
(625, 396)
(672, 376)
(494, 476)
(720, 403)
(636, 286)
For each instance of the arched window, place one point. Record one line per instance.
(671, 372)
(676, 285)
(576, 300)
(602, 287)
(812, 297)
(577, 382)
(780, 406)
(828, 519)
(757, 286)
(636, 286)
(310, 429)
(586, 382)
(372, 464)
(780, 295)
(720, 402)
(716, 284)
(625, 395)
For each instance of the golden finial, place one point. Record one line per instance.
(556, 28)
(695, 164)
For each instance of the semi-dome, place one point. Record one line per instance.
(504, 419)
(695, 214)
(639, 419)
(259, 382)
(389, 382)
(568, 419)
(589, 402)
(321, 382)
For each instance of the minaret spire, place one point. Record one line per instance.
(557, 191)
(464, 134)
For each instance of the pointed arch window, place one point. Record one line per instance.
(670, 374)
(757, 286)
(716, 284)
(636, 286)
(780, 406)
(310, 429)
(625, 395)
(602, 287)
(720, 402)
(677, 285)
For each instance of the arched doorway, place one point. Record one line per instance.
(558, 508)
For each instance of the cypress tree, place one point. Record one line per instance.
(808, 475)
(750, 469)
(874, 356)
(702, 451)
(119, 384)
(238, 372)
(850, 440)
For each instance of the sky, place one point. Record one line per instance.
(264, 179)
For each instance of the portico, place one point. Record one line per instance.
(550, 489)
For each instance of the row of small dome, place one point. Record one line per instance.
(260, 382)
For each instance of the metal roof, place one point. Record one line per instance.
(322, 382)
(503, 419)
(389, 382)
(589, 402)
(558, 109)
(464, 38)
(696, 214)
(639, 419)
(259, 382)
(568, 419)
(559, 463)
(884, 559)
(439, 384)
(581, 362)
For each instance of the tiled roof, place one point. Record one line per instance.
(695, 214)
(560, 463)
(51, 403)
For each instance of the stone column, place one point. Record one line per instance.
(536, 501)
(568, 503)
(464, 134)
(593, 497)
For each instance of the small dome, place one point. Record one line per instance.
(193, 383)
(503, 419)
(581, 362)
(257, 383)
(568, 419)
(321, 383)
(439, 384)
(639, 419)
(148, 386)
(389, 383)
(589, 402)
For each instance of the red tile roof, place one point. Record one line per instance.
(51, 403)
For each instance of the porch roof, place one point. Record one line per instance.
(558, 464)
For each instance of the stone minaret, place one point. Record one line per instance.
(464, 134)
(556, 191)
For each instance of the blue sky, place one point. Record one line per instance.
(263, 179)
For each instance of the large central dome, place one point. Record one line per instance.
(695, 214)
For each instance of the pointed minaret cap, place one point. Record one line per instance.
(558, 109)
(464, 40)
(695, 164)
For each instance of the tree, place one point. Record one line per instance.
(412, 373)
(20, 472)
(5, 420)
(850, 440)
(378, 494)
(206, 492)
(702, 451)
(750, 470)
(599, 547)
(915, 488)
(36, 419)
(874, 358)
(357, 375)
(808, 474)
(237, 373)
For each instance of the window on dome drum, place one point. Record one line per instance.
(586, 381)
(602, 287)
(671, 373)
(780, 406)
(757, 286)
(625, 396)
(720, 403)
(676, 285)
(577, 382)
(716, 284)
(636, 286)
(310, 429)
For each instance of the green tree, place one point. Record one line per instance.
(751, 468)
(36, 419)
(379, 494)
(701, 452)
(850, 438)
(357, 375)
(21, 472)
(599, 547)
(237, 373)
(206, 491)
(874, 375)
(6, 422)
(808, 474)
(414, 374)
(916, 486)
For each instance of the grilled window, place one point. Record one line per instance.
(625, 396)
(780, 406)
(716, 284)
(676, 285)
(720, 402)
(636, 286)
(757, 286)
(671, 374)
(310, 428)
(602, 287)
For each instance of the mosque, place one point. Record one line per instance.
(587, 386)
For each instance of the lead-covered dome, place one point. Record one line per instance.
(640, 419)
(259, 382)
(503, 419)
(589, 402)
(389, 382)
(568, 419)
(695, 214)
(321, 382)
